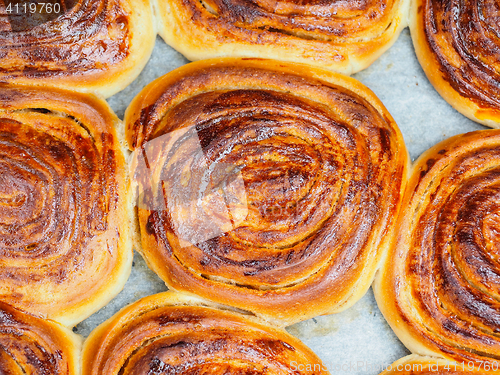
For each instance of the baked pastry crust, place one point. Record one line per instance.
(65, 249)
(458, 47)
(438, 288)
(417, 365)
(30, 345)
(343, 36)
(172, 333)
(276, 184)
(97, 46)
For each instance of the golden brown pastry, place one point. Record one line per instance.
(97, 46)
(343, 36)
(169, 333)
(439, 287)
(30, 345)
(417, 365)
(267, 186)
(65, 249)
(458, 46)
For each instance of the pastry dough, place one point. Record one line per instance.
(439, 288)
(97, 46)
(172, 334)
(343, 36)
(417, 365)
(30, 345)
(267, 186)
(458, 47)
(65, 249)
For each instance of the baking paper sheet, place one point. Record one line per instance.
(357, 341)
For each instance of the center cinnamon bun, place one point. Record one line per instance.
(268, 186)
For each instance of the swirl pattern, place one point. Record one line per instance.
(29, 345)
(344, 36)
(98, 46)
(267, 199)
(417, 365)
(440, 289)
(64, 244)
(169, 333)
(458, 45)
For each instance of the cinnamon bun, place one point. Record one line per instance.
(439, 288)
(97, 46)
(65, 248)
(458, 46)
(343, 36)
(267, 186)
(171, 334)
(30, 345)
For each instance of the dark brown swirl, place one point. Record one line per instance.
(440, 288)
(171, 334)
(94, 45)
(64, 244)
(30, 345)
(276, 184)
(344, 36)
(458, 43)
